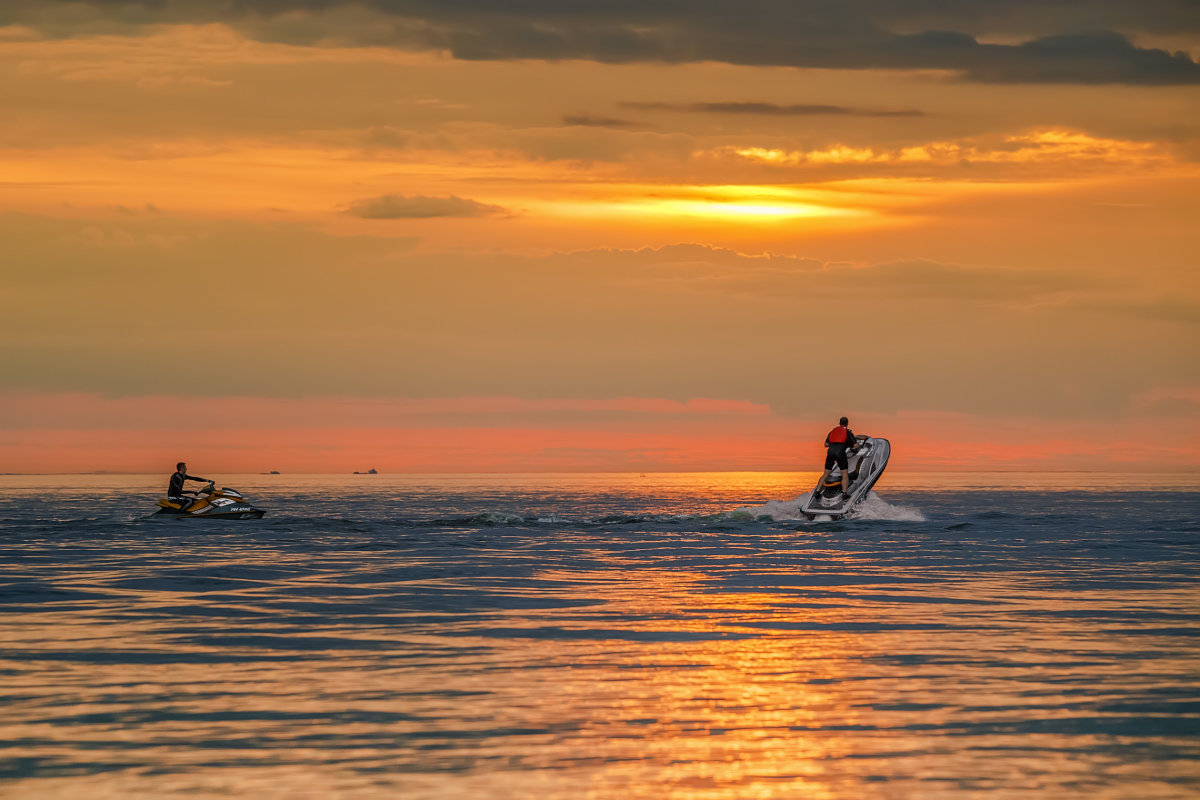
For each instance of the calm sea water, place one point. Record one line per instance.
(601, 636)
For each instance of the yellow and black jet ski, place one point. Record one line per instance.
(209, 503)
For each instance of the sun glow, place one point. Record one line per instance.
(749, 204)
(761, 211)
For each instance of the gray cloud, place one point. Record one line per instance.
(394, 206)
(1093, 58)
(846, 34)
(588, 121)
(769, 109)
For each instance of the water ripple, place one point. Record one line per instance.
(616, 640)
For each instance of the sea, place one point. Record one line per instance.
(690, 636)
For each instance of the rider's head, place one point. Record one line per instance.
(843, 421)
(181, 466)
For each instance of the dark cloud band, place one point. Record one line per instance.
(769, 109)
(835, 34)
(588, 121)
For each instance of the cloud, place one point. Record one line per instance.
(1057, 148)
(395, 206)
(588, 121)
(1023, 41)
(769, 109)
(1090, 58)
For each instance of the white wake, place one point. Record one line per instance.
(873, 507)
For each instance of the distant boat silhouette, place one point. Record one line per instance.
(371, 471)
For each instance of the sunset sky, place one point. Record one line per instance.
(321, 236)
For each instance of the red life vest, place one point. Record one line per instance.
(838, 435)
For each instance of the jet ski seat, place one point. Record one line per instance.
(837, 482)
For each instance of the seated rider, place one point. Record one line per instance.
(175, 491)
(840, 441)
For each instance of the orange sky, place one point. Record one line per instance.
(321, 236)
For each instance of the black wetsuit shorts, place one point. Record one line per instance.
(836, 455)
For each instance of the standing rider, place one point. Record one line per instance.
(840, 440)
(175, 492)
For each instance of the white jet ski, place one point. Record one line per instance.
(865, 466)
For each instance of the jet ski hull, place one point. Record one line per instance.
(865, 468)
(249, 513)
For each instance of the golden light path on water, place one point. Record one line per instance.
(589, 636)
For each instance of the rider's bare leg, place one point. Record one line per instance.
(824, 478)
